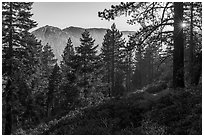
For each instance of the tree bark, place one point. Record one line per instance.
(8, 123)
(178, 54)
(191, 50)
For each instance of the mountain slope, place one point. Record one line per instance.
(168, 111)
(57, 37)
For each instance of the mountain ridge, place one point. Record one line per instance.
(57, 37)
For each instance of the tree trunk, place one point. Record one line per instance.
(197, 68)
(48, 106)
(129, 71)
(140, 71)
(191, 50)
(108, 78)
(113, 65)
(178, 54)
(152, 68)
(109, 71)
(8, 123)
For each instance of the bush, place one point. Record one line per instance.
(156, 87)
(180, 112)
(152, 128)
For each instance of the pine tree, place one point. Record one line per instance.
(26, 77)
(69, 92)
(53, 88)
(128, 64)
(106, 59)
(68, 51)
(87, 60)
(67, 63)
(112, 57)
(48, 62)
(137, 79)
(15, 23)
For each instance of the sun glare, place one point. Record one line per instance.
(183, 25)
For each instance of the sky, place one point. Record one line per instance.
(78, 14)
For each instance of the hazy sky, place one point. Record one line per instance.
(79, 14)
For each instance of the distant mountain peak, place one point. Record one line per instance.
(52, 27)
(46, 28)
(57, 37)
(73, 28)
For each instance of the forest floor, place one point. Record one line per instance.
(144, 112)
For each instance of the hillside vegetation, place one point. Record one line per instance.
(165, 112)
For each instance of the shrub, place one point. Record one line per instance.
(180, 112)
(156, 87)
(149, 127)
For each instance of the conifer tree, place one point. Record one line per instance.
(26, 80)
(137, 79)
(53, 88)
(86, 60)
(128, 64)
(48, 62)
(151, 57)
(67, 63)
(69, 92)
(112, 56)
(15, 23)
(106, 59)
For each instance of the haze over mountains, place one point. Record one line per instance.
(57, 38)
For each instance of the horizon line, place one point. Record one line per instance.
(36, 28)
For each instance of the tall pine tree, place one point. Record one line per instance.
(139, 49)
(86, 60)
(69, 92)
(113, 59)
(127, 54)
(106, 60)
(48, 62)
(53, 89)
(15, 23)
(67, 63)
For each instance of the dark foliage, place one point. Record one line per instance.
(156, 87)
(179, 112)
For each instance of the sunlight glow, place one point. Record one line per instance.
(183, 25)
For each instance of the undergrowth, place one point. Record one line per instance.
(179, 112)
